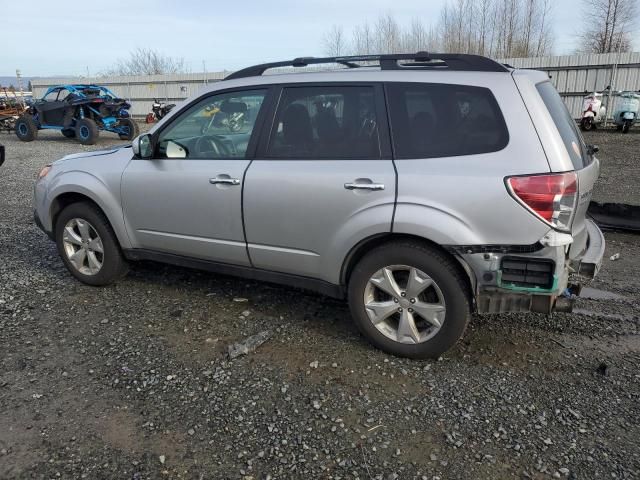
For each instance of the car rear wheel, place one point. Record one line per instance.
(409, 299)
(69, 132)
(86, 131)
(626, 126)
(131, 128)
(26, 128)
(88, 246)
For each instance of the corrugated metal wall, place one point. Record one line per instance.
(571, 74)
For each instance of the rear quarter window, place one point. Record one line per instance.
(441, 120)
(567, 128)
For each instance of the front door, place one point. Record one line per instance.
(322, 181)
(52, 107)
(187, 200)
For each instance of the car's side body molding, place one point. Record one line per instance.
(306, 283)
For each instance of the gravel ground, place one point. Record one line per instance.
(619, 165)
(133, 381)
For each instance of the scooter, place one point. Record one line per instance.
(593, 112)
(626, 112)
(159, 111)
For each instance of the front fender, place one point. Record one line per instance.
(89, 185)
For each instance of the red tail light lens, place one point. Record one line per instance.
(551, 197)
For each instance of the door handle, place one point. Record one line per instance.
(224, 181)
(364, 186)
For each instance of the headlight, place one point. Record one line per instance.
(43, 173)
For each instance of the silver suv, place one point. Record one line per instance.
(421, 187)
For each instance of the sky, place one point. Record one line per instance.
(46, 38)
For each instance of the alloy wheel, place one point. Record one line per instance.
(404, 304)
(83, 246)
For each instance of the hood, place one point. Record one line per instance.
(95, 153)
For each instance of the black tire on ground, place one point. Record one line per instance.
(445, 273)
(114, 265)
(86, 131)
(587, 124)
(68, 132)
(134, 131)
(26, 128)
(626, 126)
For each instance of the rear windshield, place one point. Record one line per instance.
(564, 123)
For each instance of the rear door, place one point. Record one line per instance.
(585, 164)
(322, 180)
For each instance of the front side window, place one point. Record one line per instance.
(332, 122)
(441, 120)
(64, 93)
(52, 95)
(219, 126)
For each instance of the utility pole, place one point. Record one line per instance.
(19, 77)
(614, 76)
(204, 70)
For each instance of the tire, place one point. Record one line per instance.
(68, 132)
(26, 129)
(587, 124)
(86, 131)
(134, 131)
(626, 126)
(451, 290)
(112, 263)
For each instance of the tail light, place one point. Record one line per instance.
(551, 197)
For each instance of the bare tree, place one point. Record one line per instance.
(363, 41)
(415, 39)
(335, 43)
(606, 25)
(497, 28)
(387, 34)
(146, 61)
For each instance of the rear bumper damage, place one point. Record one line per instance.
(591, 260)
(533, 278)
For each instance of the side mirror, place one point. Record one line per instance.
(142, 146)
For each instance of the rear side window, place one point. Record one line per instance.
(332, 122)
(438, 120)
(564, 123)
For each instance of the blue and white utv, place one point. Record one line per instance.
(78, 111)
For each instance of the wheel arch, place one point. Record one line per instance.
(366, 245)
(64, 199)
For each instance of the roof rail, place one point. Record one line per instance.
(409, 61)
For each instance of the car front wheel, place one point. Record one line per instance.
(409, 299)
(88, 246)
